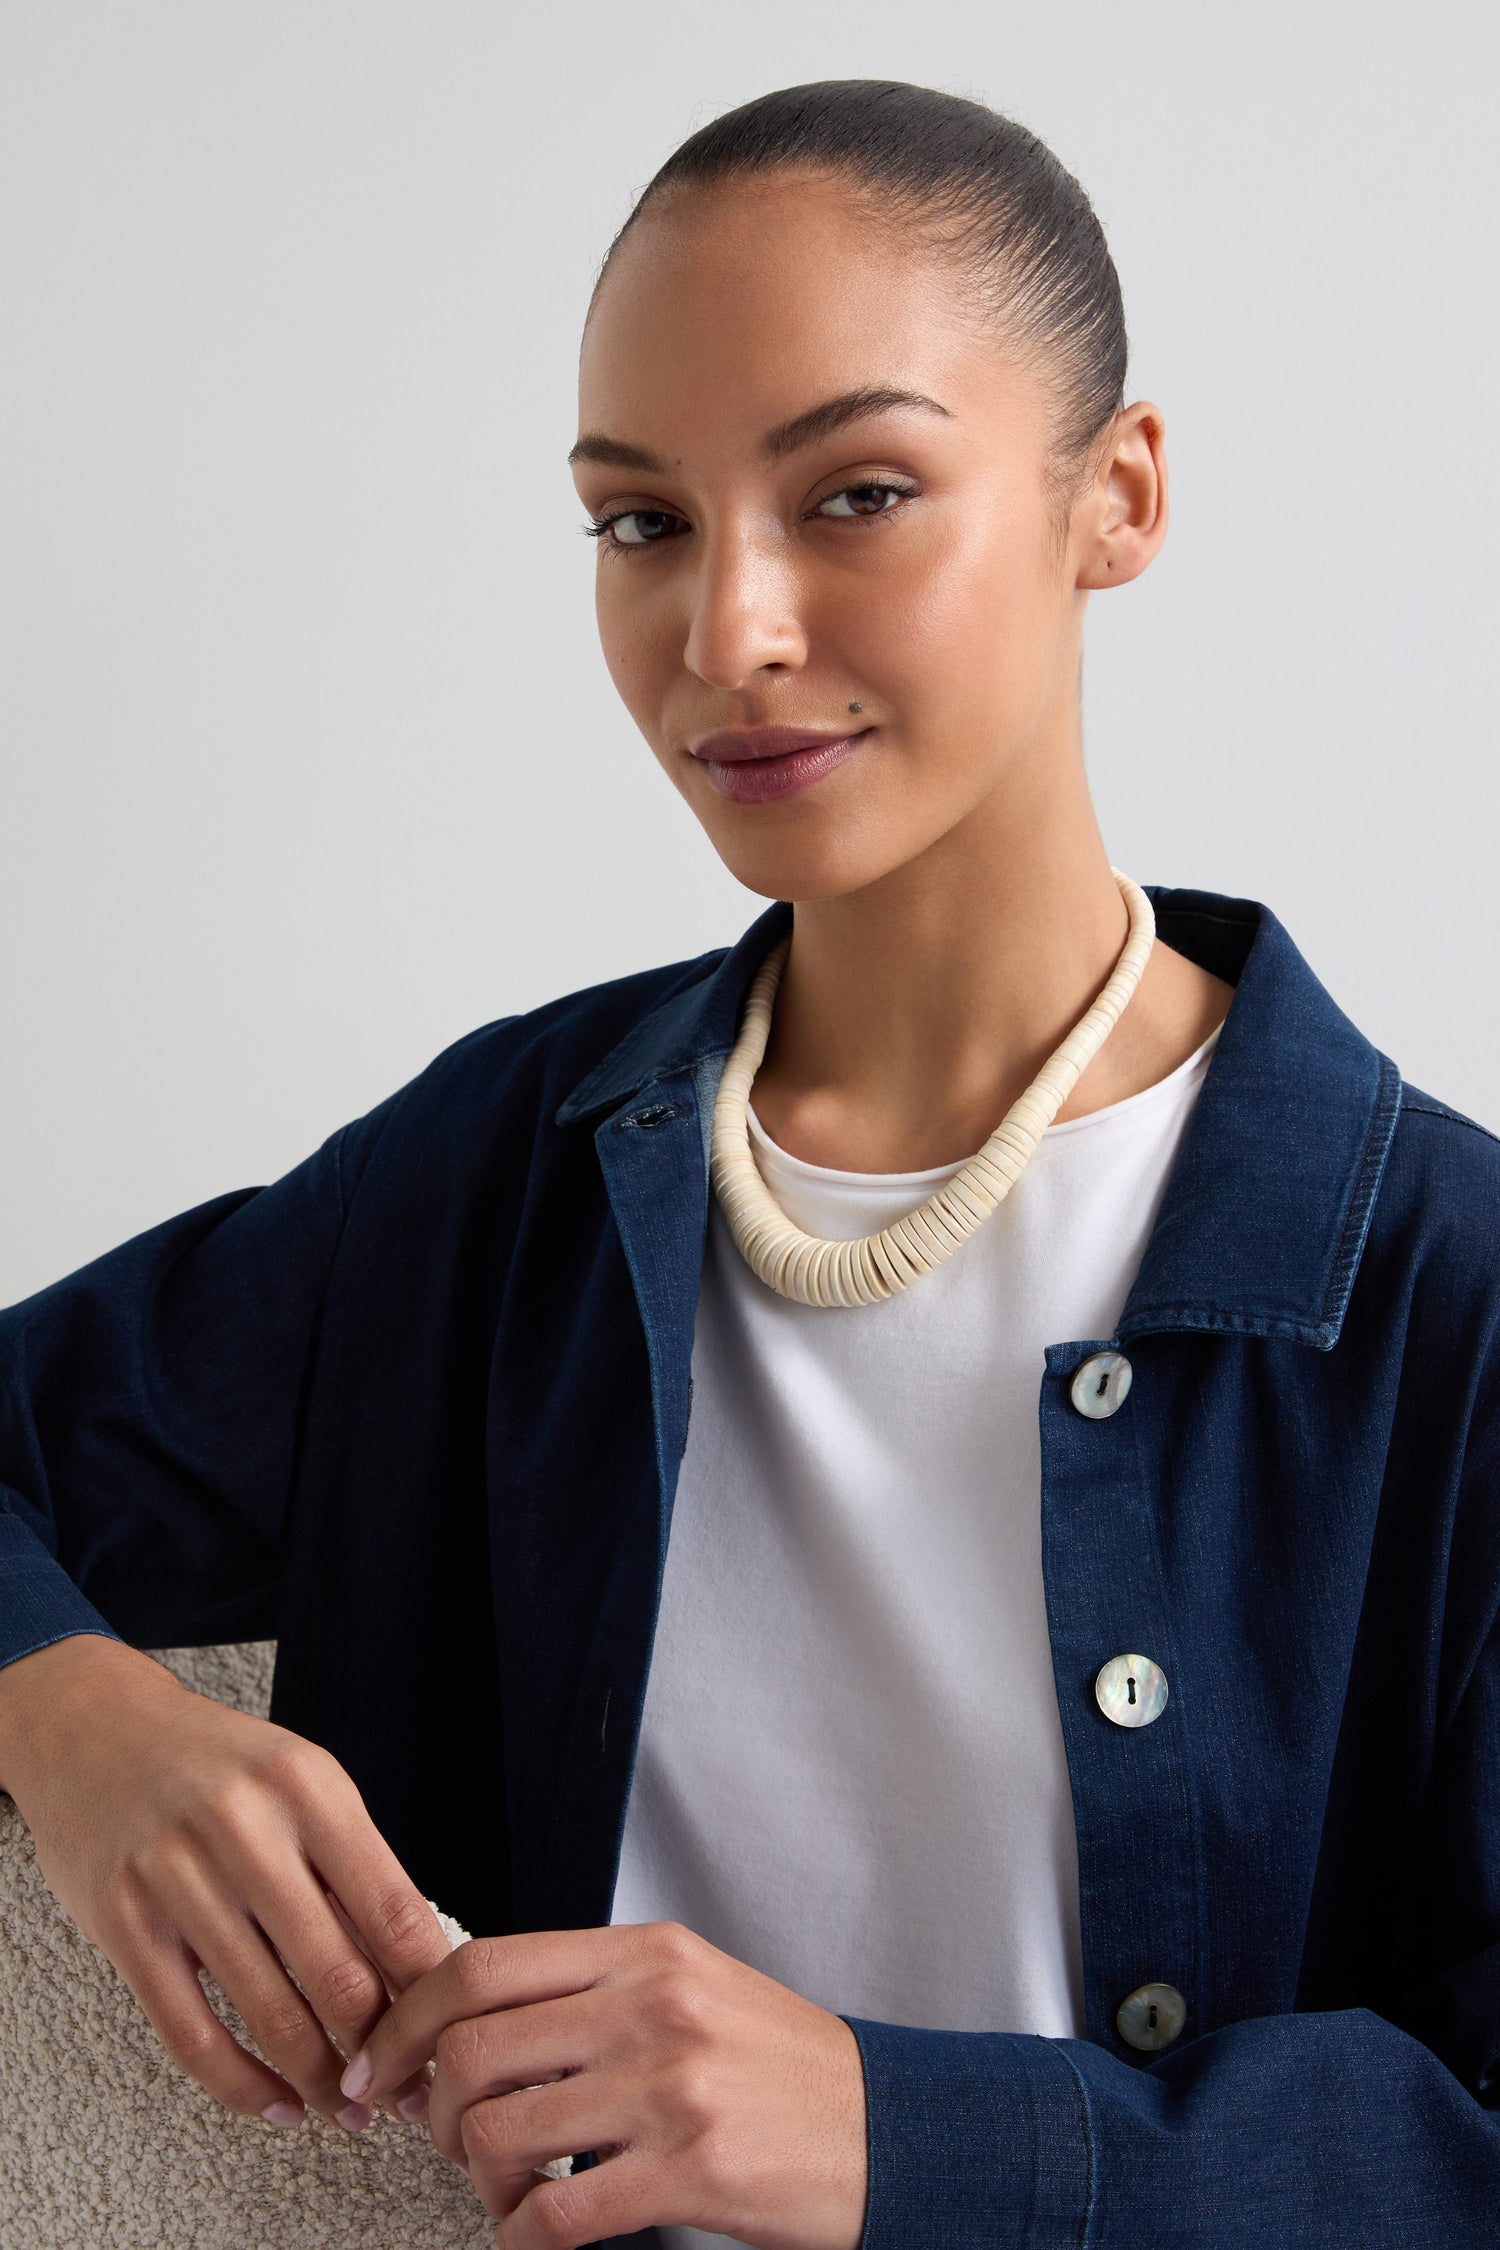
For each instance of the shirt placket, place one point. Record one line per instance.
(1126, 1734)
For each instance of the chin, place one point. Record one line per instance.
(821, 869)
(849, 832)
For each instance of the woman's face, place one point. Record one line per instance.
(823, 483)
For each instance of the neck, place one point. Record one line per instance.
(913, 1013)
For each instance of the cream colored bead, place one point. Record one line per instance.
(866, 1271)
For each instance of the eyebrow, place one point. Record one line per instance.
(834, 413)
(787, 437)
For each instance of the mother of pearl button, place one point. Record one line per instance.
(1101, 1385)
(1131, 1690)
(1151, 2017)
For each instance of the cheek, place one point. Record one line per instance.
(635, 640)
(616, 639)
(956, 622)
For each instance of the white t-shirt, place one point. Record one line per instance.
(851, 1770)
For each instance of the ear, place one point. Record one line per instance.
(1122, 518)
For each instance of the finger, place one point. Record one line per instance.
(410, 2098)
(164, 1978)
(623, 2195)
(485, 1974)
(400, 1931)
(238, 1957)
(482, 2056)
(342, 1986)
(507, 2139)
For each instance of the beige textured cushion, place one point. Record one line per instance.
(104, 2141)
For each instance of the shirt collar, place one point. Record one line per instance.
(1269, 1201)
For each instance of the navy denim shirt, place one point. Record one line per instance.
(417, 1410)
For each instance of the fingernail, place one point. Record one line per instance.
(415, 2105)
(356, 2079)
(354, 2118)
(283, 2113)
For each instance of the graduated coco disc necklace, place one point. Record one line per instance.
(876, 1266)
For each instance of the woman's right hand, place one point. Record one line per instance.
(177, 1832)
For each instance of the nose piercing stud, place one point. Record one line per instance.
(856, 707)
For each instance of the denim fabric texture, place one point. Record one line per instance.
(417, 1409)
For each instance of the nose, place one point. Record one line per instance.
(745, 619)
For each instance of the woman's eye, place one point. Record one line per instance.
(637, 527)
(860, 500)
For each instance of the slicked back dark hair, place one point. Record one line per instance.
(980, 186)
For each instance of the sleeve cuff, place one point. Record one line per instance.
(39, 1602)
(978, 2140)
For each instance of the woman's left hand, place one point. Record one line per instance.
(713, 2096)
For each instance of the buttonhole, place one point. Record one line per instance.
(656, 1113)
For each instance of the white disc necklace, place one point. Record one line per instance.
(863, 1272)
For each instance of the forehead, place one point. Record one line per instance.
(733, 308)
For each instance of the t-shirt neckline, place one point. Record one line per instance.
(1126, 1110)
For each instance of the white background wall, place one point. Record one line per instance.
(309, 759)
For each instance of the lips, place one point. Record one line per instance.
(761, 765)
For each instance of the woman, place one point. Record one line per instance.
(1062, 1801)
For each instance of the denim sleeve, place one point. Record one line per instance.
(1299, 2132)
(150, 1407)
